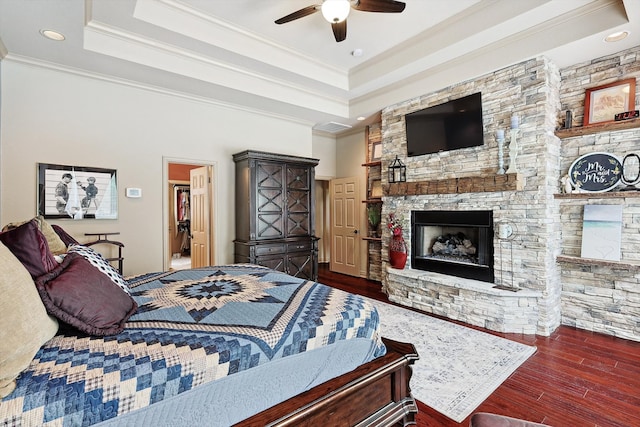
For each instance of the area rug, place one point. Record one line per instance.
(459, 367)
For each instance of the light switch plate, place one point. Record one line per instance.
(134, 193)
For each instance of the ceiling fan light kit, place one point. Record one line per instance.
(336, 12)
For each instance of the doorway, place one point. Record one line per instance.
(345, 241)
(179, 220)
(188, 212)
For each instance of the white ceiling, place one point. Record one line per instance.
(231, 52)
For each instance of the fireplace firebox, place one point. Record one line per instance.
(458, 243)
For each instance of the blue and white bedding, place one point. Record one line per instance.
(194, 327)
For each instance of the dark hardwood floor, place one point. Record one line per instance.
(575, 379)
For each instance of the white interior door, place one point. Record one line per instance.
(200, 221)
(345, 237)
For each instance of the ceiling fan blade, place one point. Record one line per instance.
(340, 30)
(299, 14)
(387, 6)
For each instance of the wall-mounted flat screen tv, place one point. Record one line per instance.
(450, 126)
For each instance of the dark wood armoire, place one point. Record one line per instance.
(275, 215)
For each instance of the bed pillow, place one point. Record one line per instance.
(101, 264)
(30, 246)
(24, 322)
(56, 245)
(79, 294)
(64, 236)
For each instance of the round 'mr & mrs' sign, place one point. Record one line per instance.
(596, 172)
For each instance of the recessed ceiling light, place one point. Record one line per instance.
(617, 36)
(357, 52)
(52, 35)
(361, 118)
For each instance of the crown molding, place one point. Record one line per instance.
(3, 50)
(191, 22)
(107, 40)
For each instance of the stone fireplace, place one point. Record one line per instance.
(457, 243)
(499, 290)
(507, 286)
(540, 280)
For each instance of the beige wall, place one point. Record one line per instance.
(324, 148)
(350, 155)
(51, 116)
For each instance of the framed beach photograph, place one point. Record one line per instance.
(376, 189)
(602, 103)
(77, 192)
(376, 151)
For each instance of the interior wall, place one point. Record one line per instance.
(323, 221)
(180, 172)
(350, 155)
(57, 117)
(324, 148)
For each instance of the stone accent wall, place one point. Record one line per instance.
(531, 90)
(602, 298)
(599, 71)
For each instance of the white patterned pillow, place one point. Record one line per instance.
(101, 264)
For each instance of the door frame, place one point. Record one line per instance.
(213, 242)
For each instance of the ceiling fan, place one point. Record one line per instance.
(336, 12)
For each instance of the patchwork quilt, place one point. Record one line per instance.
(191, 327)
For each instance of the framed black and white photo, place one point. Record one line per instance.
(77, 192)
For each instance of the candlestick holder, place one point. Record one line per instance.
(513, 151)
(500, 138)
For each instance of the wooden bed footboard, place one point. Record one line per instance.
(374, 394)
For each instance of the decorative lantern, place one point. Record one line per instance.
(397, 171)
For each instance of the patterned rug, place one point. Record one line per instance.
(459, 367)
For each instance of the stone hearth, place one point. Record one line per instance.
(470, 301)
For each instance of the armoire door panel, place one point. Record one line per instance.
(298, 201)
(300, 265)
(269, 200)
(298, 224)
(269, 175)
(270, 226)
(298, 178)
(277, 264)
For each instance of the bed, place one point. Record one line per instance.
(224, 345)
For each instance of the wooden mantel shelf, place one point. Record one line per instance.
(606, 195)
(603, 127)
(469, 184)
(625, 265)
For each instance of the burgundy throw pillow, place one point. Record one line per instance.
(64, 236)
(29, 245)
(79, 294)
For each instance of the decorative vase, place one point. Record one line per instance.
(397, 250)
